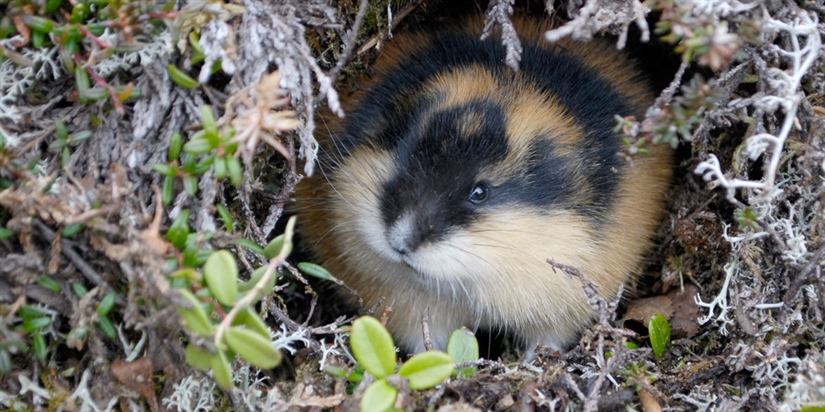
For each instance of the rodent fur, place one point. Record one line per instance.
(442, 114)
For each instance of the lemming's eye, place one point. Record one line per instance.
(479, 193)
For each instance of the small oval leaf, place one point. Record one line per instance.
(659, 329)
(106, 304)
(198, 357)
(427, 369)
(195, 318)
(179, 230)
(253, 348)
(314, 270)
(180, 78)
(233, 166)
(39, 346)
(274, 247)
(253, 322)
(33, 325)
(197, 146)
(175, 146)
(49, 283)
(221, 371)
(255, 277)
(107, 327)
(379, 396)
(372, 346)
(463, 347)
(221, 275)
(250, 246)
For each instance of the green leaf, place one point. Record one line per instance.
(198, 357)
(106, 304)
(52, 5)
(195, 317)
(6, 27)
(64, 157)
(379, 396)
(79, 137)
(253, 322)
(72, 230)
(812, 409)
(209, 125)
(5, 233)
(274, 247)
(96, 28)
(57, 145)
(372, 346)
(314, 270)
(221, 370)
(39, 346)
(427, 369)
(197, 146)
(253, 348)
(60, 130)
(220, 167)
(175, 146)
(335, 371)
(33, 325)
(179, 230)
(204, 164)
(107, 327)
(168, 190)
(180, 78)
(94, 94)
(28, 312)
(38, 39)
(165, 169)
(250, 245)
(255, 277)
(233, 165)
(221, 275)
(5, 362)
(79, 289)
(227, 218)
(38, 23)
(49, 283)
(659, 329)
(82, 82)
(463, 347)
(190, 185)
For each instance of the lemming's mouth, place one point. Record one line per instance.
(419, 274)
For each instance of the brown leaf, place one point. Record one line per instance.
(54, 255)
(649, 402)
(137, 376)
(678, 307)
(684, 323)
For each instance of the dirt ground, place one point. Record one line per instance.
(92, 260)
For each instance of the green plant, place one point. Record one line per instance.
(216, 305)
(219, 156)
(373, 348)
(659, 329)
(463, 347)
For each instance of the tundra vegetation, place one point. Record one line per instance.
(147, 150)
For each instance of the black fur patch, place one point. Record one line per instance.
(437, 167)
(394, 102)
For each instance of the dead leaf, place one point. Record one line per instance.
(678, 307)
(54, 255)
(137, 376)
(649, 402)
